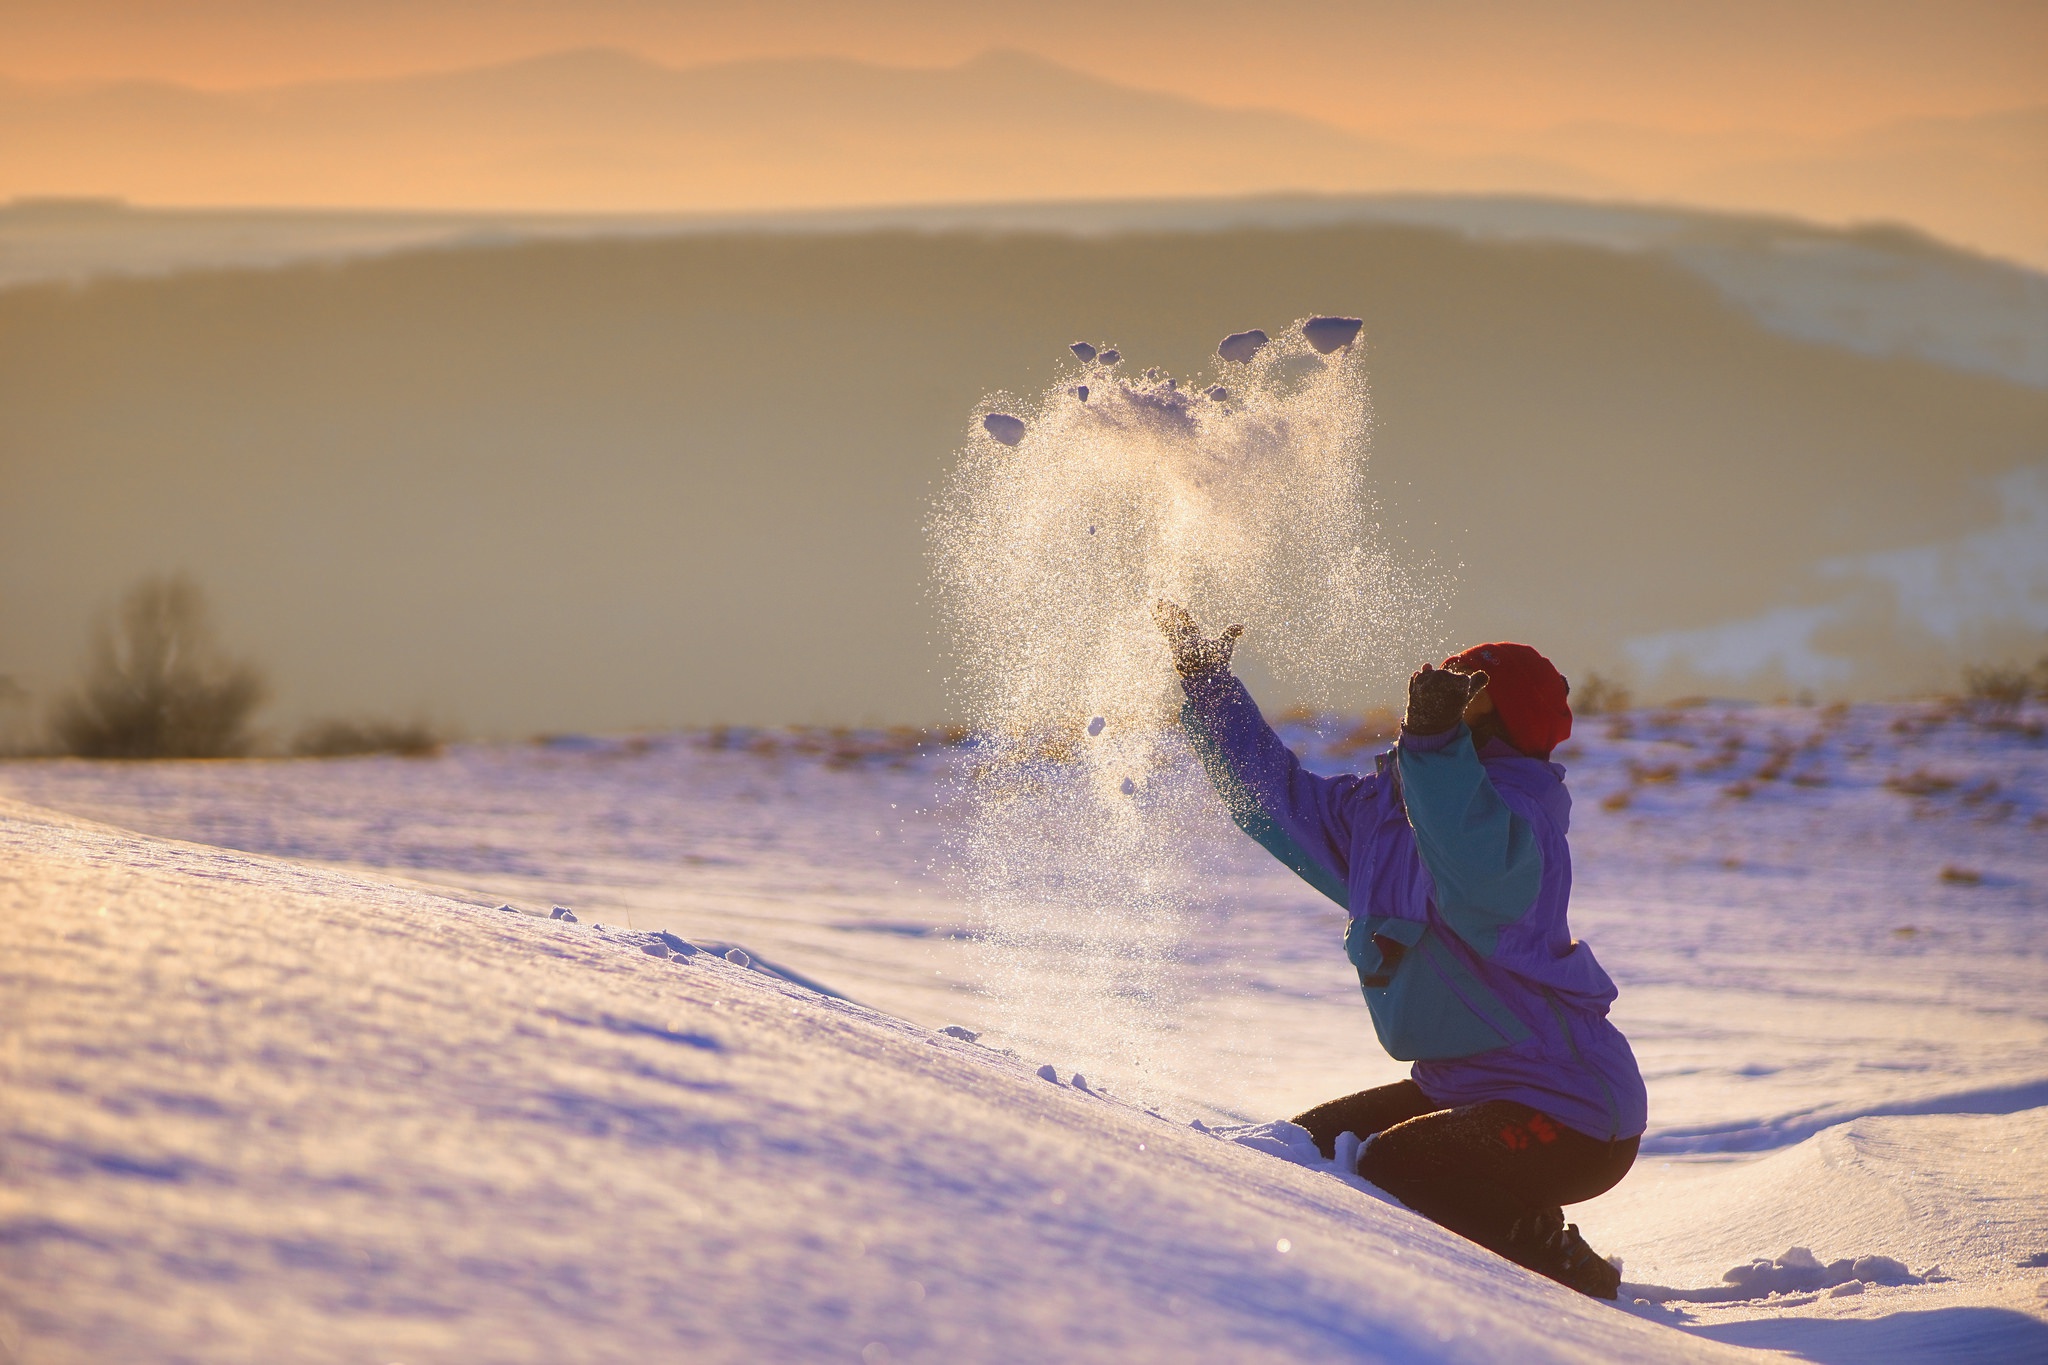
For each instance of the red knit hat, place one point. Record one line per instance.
(1527, 690)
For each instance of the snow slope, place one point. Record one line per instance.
(262, 1111)
(1825, 924)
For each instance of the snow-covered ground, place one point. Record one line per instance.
(318, 1098)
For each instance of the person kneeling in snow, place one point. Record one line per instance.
(1451, 858)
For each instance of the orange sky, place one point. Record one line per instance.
(1814, 67)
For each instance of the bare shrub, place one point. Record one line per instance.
(349, 738)
(1920, 782)
(1727, 753)
(1598, 696)
(157, 684)
(1998, 688)
(14, 717)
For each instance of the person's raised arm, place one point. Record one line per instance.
(1303, 820)
(1482, 856)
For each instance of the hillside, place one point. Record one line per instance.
(382, 1123)
(609, 483)
(301, 1088)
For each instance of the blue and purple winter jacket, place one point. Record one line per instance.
(1455, 871)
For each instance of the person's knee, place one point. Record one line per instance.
(1374, 1166)
(1365, 1113)
(1394, 1162)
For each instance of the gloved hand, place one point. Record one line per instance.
(1437, 699)
(1192, 654)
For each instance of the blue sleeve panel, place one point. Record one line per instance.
(1303, 820)
(1482, 856)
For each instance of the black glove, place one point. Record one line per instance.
(1437, 698)
(1192, 654)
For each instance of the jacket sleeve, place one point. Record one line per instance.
(1303, 820)
(1482, 856)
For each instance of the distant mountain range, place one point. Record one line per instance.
(1878, 291)
(605, 131)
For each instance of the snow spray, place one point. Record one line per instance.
(1089, 826)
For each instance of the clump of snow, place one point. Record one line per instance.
(1084, 350)
(1239, 347)
(1798, 1269)
(1331, 334)
(1003, 427)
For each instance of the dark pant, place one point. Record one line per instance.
(1490, 1172)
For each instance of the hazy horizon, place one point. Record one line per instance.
(615, 128)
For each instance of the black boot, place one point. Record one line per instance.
(1582, 1268)
(1548, 1245)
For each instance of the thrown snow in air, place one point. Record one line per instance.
(1049, 553)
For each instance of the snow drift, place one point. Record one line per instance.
(259, 1111)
